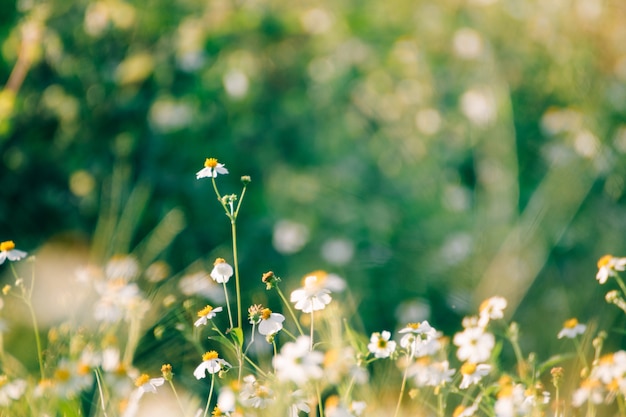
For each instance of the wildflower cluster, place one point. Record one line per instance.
(309, 358)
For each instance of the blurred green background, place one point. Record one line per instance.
(433, 153)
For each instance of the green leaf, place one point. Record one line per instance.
(237, 335)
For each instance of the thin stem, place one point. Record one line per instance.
(403, 385)
(233, 227)
(243, 193)
(319, 401)
(217, 193)
(230, 316)
(208, 401)
(293, 316)
(311, 345)
(180, 404)
(100, 391)
(133, 340)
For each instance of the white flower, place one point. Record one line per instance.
(591, 390)
(571, 329)
(474, 344)
(473, 373)
(8, 251)
(146, 384)
(428, 373)
(211, 169)
(211, 363)
(254, 394)
(271, 323)
(417, 336)
(611, 367)
(491, 309)
(298, 403)
(206, 314)
(608, 266)
(380, 345)
(11, 391)
(297, 363)
(314, 294)
(122, 267)
(222, 271)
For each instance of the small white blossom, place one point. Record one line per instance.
(475, 345)
(8, 251)
(222, 271)
(211, 363)
(473, 373)
(206, 314)
(571, 329)
(608, 266)
(380, 345)
(211, 169)
(297, 363)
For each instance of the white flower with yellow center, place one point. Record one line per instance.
(608, 266)
(222, 271)
(8, 251)
(271, 323)
(417, 336)
(491, 309)
(211, 168)
(297, 363)
(255, 395)
(571, 329)
(206, 314)
(146, 384)
(473, 373)
(211, 363)
(312, 296)
(380, 345)
(475, 345)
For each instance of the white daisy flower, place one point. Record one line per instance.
(380, 345)
(211, 169)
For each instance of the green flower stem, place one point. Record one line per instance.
(134, 331)
(620, 282)
(311, 337)
(233, 227)
(180, 404)
(580, 352)
(230, 316)
(100, 391)
(403, 385)
(208, 401)
(27, 298)
(319, 401)
(293, 316)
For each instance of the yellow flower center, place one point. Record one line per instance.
(604, 261)
(458, 411)
(468, 368)
(210, 356)
(606, 359)
(7, 246)
(262, 392)
(266, 313)
(382, 343)
(141, 380)
(62, 374)
(3, 380)
(571, 323)
(217, 412)
(83, 369)
(315, 278)
(210, 163)
(413, 326)
(219, 261)
(205, 311)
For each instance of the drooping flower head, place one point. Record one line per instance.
(222, 271)
(271, 323)
(8, 251)
(211, 168)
